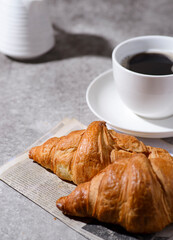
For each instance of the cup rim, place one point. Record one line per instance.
(131, 40)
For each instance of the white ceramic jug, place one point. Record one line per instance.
(25, 28)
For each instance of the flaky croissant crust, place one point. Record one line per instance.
(130, 184)
(134, 191)
(82, 154)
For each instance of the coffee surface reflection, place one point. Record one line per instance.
(149, 63)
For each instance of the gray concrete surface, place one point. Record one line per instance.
(35, 95)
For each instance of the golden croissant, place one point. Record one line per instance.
(135, 191)
(80, 155)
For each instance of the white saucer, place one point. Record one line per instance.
(104, 101)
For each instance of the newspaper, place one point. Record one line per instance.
(44, 188)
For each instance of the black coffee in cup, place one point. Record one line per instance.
(149, 63)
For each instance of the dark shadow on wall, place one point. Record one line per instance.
(69, 45)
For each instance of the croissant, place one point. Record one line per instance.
(135, 191)
(82, 154)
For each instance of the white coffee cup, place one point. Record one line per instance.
(149, 96)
